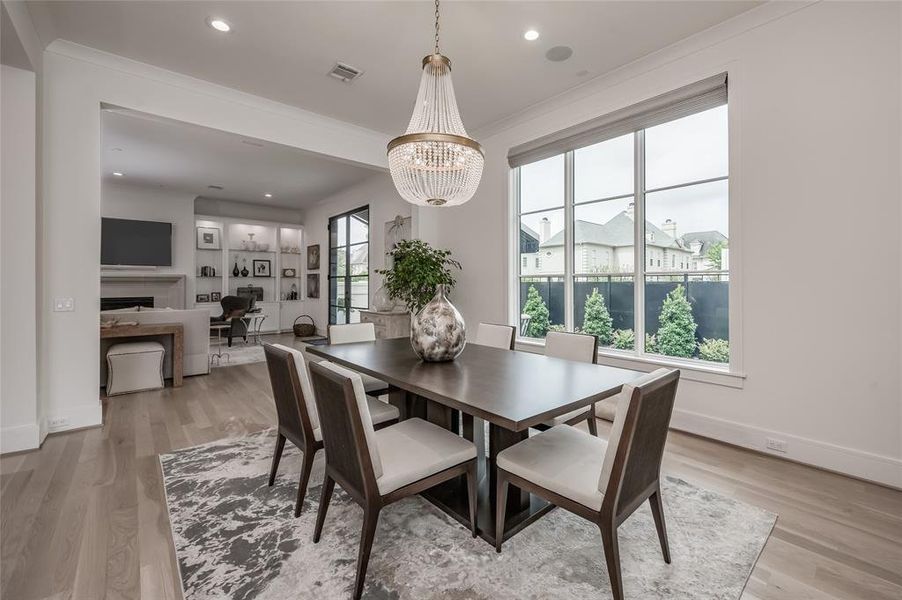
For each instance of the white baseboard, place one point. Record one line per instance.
(20, 437)
(865, 465)
(76, 417)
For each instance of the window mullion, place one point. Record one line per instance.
(639, 241)
(568, 241)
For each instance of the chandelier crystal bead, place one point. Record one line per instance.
(435, 163)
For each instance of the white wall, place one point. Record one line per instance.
(379, 193)
(815, 148)
(246, 210)
(18, 324)
(123, 201)
(76, 81)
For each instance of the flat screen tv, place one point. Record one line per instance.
(127, 242)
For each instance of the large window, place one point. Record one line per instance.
(580, 214)
(349, 266)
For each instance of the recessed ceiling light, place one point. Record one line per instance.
(267, 195)
(531, 35)
(117, 173)
(219, 25)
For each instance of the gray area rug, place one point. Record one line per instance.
(239, 354)
(237, 538)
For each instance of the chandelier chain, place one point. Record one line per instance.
(436, 26)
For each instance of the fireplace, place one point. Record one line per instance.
(126, 302)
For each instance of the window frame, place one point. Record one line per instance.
(349, 279)
(728, 374)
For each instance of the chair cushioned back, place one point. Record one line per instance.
(570, 346)
(304, 376)
(623, 402)
(496, 336)
(365, 418)
(355, 332)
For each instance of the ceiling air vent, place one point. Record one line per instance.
(344, 72)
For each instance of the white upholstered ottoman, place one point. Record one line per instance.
(134, 367)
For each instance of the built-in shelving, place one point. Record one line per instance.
(284, 251)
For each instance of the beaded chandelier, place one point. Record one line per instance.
(435, 163)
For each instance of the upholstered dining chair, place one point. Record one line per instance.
(606, 409)
(496, 336)
(579, 347)
(602, 481)
(377, 468)
(296, 411)
(359, 332)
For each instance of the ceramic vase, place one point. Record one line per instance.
(438, 332)
(382, 301)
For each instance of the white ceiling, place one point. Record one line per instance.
(282, 50)
(155, 152)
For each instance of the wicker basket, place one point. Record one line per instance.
(304, 329)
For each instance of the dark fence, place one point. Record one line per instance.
(708, 295)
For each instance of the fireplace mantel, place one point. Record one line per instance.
(167, 289)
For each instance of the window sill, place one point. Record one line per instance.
(703, 373)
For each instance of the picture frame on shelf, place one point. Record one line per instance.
(209, 238)
(262, 268)
(215, 296)
(313, 285)
(313, 257)
(201, 298)
(289, 273)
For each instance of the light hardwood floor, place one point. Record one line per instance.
(85, 517)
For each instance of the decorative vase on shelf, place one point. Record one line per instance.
(382, 302)
(438, 332)
(235, 271)
(244, 271)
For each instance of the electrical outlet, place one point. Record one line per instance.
(776, 445)
(63, 304)
(57, 422)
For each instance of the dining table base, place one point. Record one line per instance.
(451, 496)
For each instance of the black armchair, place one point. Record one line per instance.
(233, 308)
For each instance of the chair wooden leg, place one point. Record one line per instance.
(501, 506)
(302, 484)
(657, 511)
(612, 557)
(324, 499)
(472, 474)
(370, 520)
(276, 457)
(591, 422)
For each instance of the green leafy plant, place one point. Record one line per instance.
(538, 314)
(557, 327)
(676, 334)
(624, 339)
(417, 269)
(715, 350)
(597, 320)
(715, 255)
(651, 343)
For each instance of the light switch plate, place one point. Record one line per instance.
(63, 304)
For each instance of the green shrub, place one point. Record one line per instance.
(597, 320)
(624, 339)
(676, 334)
(651, 343)
(538, 313)
(715, 350)
(557, 327)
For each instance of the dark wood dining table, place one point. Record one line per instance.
(510, 390)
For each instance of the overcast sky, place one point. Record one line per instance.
(688, 149)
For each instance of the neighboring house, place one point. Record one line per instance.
(700, 242)
(608, 248)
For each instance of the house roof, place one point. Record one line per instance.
(707, 238)
(616, 232)
(529, 231)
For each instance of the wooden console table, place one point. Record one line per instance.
(176, 330)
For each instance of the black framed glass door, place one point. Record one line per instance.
(349, 265)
